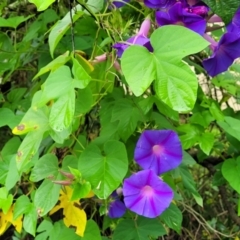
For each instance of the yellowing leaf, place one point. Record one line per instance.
(7, 219)
(73, 214)
(23, 129)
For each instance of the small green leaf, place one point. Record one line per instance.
(28, 148)
(104, 170)
(138, 76)
(62, 112)
(172, 217)
(231, 126)
(230, 171)
(206, 141)
(42, 4)
(126, 116)
(13, 175)
(189, 183)
(5, 200)
(45, 167)
(81, 77)
(13, 22)
(46, 197)
(216, 111)
(95, 5)
(30, 220)
(54, 65)
(61, 27)
(224, 9)
(22, 206)
(80, 190)
(57, 84)
(84, 101)
(9, 118)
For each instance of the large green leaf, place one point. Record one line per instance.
(46, 196)
(140, 229)
(61, 27)
(224, 9)
(230, 171)
(104, 170)
(175, 83)
(46, 166)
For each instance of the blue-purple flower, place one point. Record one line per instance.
(146, 194)
(116, 207)
(227, 50)
(139, 39)
(158, 150)
(118, 4)
(159, 3)
(179, 15)
(234, 26)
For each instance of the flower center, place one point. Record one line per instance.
(147, 191)
(157, 149)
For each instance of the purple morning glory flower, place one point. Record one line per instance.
(116, 208)
(234, 26)
(120, 4)
(158, 150)
(227, 50)
(178, 15)
(159, 3)
(139, 39)
(146, 194)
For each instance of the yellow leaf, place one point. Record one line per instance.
(73, 214)
(24, 128)
(7, 219)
